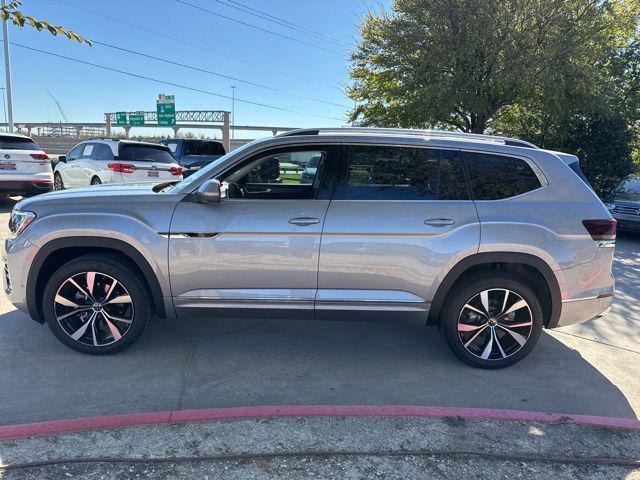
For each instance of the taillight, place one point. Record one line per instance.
(43, 157)
(601, 230)
(176, 170)
(121, 167)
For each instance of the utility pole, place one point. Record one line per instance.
(7, 69)
(233, 110)
(4, 104)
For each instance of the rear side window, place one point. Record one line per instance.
(494, 177)
(17, 143)
(203, 147)
(403, 173)
(145, 153)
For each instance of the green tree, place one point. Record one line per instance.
(458, 63)
(11, 13)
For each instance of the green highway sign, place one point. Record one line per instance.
(136, 119)
(166, 108)
(121, 119)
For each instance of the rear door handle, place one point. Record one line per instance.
(304, 221)
(439, 222)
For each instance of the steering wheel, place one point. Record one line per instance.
(234, 190)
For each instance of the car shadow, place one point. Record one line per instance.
(238, 362)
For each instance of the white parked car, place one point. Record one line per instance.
(115, 161)
(24, 168)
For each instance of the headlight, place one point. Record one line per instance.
(19, 221)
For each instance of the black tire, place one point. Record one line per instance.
(58, 184)
(135, 307)
(96, 181)
(462, 307)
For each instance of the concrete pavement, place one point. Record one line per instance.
(589, 369)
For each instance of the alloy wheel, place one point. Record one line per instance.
(94, 309)
(495, 324)
(57, 183)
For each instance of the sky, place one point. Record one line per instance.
(311, 66)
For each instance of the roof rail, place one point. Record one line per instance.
(514, 142)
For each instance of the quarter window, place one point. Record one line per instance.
(494, 177)
(401, 173)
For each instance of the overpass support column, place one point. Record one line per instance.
(107, 124)
(226, 132)
(126, 131)
(176, 131)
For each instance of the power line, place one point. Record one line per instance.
(161, 34)
(185, 87)
(246, 24)
(281, 21)
(198, 69)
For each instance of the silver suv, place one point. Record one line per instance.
(489, 239)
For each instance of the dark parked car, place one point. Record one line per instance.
(193, 154)
(624, 203)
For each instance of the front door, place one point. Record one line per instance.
(399, 218)
(255, 252)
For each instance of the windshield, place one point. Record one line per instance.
(203, 147)
(17, 143)
(144, 153)
(204, 171)
(629, 188)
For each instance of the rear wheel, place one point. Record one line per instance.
(96, 181)
(57, 182)
(97, 304)
(492, 321)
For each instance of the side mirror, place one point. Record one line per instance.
(62, 158)
(209, 192)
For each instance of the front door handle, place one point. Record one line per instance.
(439, 222)
(304, 221)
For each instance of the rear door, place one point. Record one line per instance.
(147, 163)
(22, 159)
(398, 219)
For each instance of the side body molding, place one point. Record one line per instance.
(497, 257)
(89, 242)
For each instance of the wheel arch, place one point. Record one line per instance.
(502, 261)
(57, 252)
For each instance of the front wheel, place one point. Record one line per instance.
(492, 321)
(97, 304)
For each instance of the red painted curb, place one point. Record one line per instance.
(217, 414)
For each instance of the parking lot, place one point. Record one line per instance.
(591, 369)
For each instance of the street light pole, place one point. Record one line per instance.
(7, 69)
(4, 104)
(233, 110)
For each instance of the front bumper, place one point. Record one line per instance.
(17, 256)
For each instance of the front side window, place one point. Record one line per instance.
(494, 177)
(628, 189)
(403, 173)
(290, 174)
(75, 152)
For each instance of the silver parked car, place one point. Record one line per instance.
(489, 239)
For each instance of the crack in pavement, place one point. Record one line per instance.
(598, 341)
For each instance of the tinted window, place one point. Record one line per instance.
(494, 177)
(102, 152)
(145, 153)
(17, 143)
(628, 188)
(401, 173)
(285, 168)
(203, 147)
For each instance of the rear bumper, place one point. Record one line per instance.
(17, 187)
(583, 310)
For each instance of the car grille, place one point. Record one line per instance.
(626, 210)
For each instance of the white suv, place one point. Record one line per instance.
(24, 168)
(115, 161)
